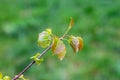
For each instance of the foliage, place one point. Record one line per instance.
(58, 48)
(8, 78)
(97, 21)
(36, 59)
(4, 78)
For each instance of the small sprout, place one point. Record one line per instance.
(36, 59)
(22, 77)
(69, 27)
(76, 43)
(71, 23)
(1, 75)
(58, 48)
(4, 78)
(44, 38)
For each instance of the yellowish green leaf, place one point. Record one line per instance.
(1, 75)
(44, 38)
(36, 59)
(58, 48)
(22, 77)
(35, 56)
(6, 78)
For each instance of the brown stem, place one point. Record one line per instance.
(30, 64)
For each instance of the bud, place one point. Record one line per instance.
(76, 43)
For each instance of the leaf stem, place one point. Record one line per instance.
(69, 27)
(30, 64)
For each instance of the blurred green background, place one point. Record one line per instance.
(96, 21)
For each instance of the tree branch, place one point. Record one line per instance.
(30, 64)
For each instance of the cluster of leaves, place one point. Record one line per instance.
(5, 77)
(8, 77)
(46, 38)
(58, 47)
(36, 59)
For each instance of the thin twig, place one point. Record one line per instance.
(30, 64)
(33, 62)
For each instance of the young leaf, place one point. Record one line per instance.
(22, 77)
(69, 27)
(71, 23)
(59, 48)
(44, 38)
(6, 78)
(1, 75)
(76, 43)
(36, 59)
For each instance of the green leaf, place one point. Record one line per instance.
(1, 75)
(45, 38)
(58, 48)
(36, 59)
(6, 78)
